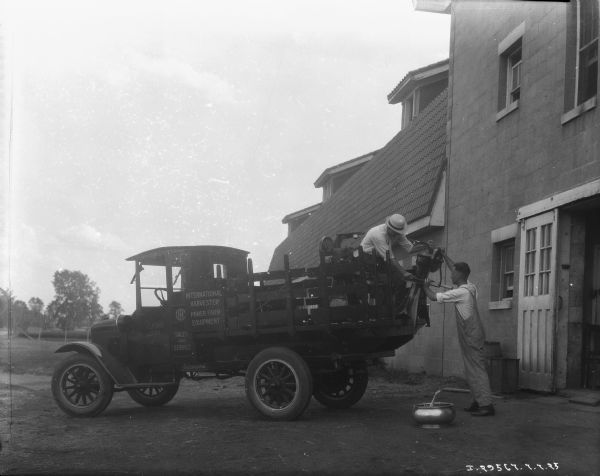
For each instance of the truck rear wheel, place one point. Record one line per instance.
(343, 388)
(153, 396)
(279, 383)
(81, 387)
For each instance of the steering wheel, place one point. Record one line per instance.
(159, 293)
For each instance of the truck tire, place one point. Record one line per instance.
(279, 384)
(342, 389)
(81, 387)
(153, 396)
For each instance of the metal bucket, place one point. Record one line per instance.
(433, 415)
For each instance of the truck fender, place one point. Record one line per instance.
(118, 373)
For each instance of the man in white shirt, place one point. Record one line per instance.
(390, 236)
(471, 335)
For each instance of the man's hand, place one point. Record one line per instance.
(428, 292)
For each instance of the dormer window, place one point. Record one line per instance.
(410, 108)
(418, 89)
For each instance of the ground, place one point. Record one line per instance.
(209, 428)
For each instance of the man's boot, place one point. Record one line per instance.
(485, 410)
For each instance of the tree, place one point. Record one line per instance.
(114, 310)
(20, 317)
(76, 300)
(5, 301)
(38, 318)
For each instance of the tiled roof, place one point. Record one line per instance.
(401, 178)
(343, 166)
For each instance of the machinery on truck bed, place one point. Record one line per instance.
(201, 311)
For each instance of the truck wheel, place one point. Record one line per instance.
(81, 387)
(153, 396)
(279, 383)
(342, 389)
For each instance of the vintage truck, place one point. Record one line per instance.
(201, 311)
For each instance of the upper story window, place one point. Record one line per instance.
(581, 68)
(587, 50)
(510, 53)
(410, 108)
(513, 73)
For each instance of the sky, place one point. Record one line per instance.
(139, 124)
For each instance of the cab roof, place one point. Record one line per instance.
(157, 256)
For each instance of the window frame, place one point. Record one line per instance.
(507, 49)
(575, 103)
(503, 239)
(503, 258)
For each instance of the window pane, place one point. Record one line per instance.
(530, 247)
(588, 21)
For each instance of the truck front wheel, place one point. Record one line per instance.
(81, 387)
(279, 383)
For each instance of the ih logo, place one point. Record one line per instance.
(180, 315)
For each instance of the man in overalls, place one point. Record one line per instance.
(470, 335)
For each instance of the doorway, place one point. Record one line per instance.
(591, 303)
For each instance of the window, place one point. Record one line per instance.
(407, 111)
(510, 54)
(530, 252)
(219, 271)
(503, 269)
(514, 76)
(581, 66)
(510, 77)
(587, 50)
(545, 259)
(507, 269)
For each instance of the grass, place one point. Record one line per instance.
(21, 355)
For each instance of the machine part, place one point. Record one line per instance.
(433, 416)
(81, 387)
(343, 388)
(153, 396)
(279, 383)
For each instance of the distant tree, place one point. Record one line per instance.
(5, 300)
(76, 300)
(36, 304)
(38, 318)
(114, 310)
(20, 316)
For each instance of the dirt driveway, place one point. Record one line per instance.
(209, 428)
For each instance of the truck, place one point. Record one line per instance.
(292, 334)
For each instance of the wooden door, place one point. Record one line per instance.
(536, 320)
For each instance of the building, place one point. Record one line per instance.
(406, 175)
(523, 204)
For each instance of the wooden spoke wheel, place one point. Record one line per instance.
(279, 383)
(81, 387)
